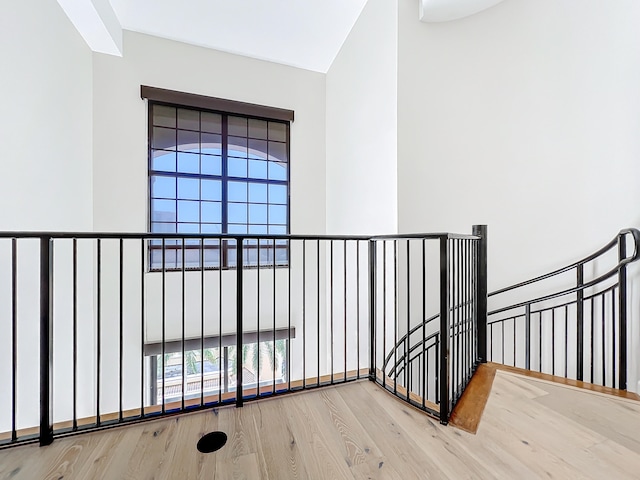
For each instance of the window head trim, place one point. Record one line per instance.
(203, 102)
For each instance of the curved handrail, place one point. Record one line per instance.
(625, 231)
(635, 233)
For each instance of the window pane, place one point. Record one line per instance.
(236, 229)
(211, 144)
(211, 190)
(237, 167)
(277, 171)
(211, 256)
(188, 141)
(237, 213)
(277, 229)
(237, 126)
(278, 151)
(211, 122)
(210, 165)
(211, 212)
(257, 193)
(188, 211)
(257, 129)
(278, 214)
(258, 149)
(237, 147)
(164, 116)
(163, 161)
(188, 162)
(188, 188)
(158, 227)
(257, 213)
(257, 169)
(237, 192)
(258, 229)
(277, 131)
(278, 194)
(163, 210)
(188, 119)
(188, 228)
(164, 138)
(163, 187)
(211, 228)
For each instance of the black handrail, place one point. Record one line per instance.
(618, 269)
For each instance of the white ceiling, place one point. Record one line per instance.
(302, 33)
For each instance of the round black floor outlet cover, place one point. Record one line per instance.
(211, 442)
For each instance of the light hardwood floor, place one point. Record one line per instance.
(530, 429)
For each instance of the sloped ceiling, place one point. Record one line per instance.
(292, 32)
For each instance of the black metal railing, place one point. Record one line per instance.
(124, 337)
(571, 322)
(419, 367)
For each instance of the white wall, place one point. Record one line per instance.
(524, 117)
(362, 126)
(45, 131)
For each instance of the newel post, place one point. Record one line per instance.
(46, 340)
(481, 291)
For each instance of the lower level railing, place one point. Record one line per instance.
(109, 329)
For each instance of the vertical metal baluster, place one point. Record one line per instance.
(74, 426)
(202, 329)
(425, 357)
(593, 337)
(239, 320)
(384, 310)
(274, 317)
(604, 366)
(372, 293)
(289, 315)
(14, 339)
(515, 331)
(182, 313)
(318, 309)
(344, 281)
(331, 303)
(142, 300)
(395, 316)
(223, 357)
(491, 342)
(258, 275)
(540, 341)
(164, 272)
(527, 336)
(304, 314)
(622, 313)
(98, 326)
(407, 362)
(46, 340)
(502, 342)
(566, 341)
(358, 308)
(120, 328)
(553, 341)
(580, 323)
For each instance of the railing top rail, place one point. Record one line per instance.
(216, 236)
(635, 233)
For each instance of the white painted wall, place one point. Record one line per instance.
(523, 117)
(45, 131)
(362, 126)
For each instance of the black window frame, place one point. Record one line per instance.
(179, 100)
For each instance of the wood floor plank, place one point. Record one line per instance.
(530, 429)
